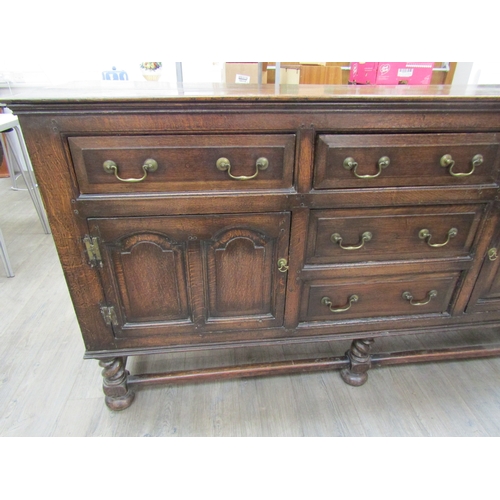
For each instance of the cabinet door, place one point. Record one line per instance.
(244, 288)
(486, 293)
(186, 275)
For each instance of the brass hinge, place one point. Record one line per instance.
(93, 251)
(109, 315)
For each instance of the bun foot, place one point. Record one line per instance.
(121, 403)
(351, 378)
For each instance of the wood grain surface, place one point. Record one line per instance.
(47, 389)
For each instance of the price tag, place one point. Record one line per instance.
(242, 79)
(405, 72)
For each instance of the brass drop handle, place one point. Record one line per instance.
(336, 238)
(492, 254)
(224, 164)
(351, 164)
(326, 301)
(282, 265)
(111, 167)
(409, 297)
(425, 234)
(448, 161)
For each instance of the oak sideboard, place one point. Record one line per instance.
(222, 217)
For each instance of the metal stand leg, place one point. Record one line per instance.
(11, 162)
(12, 148)
(5, 257)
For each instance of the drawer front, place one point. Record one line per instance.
(382, 234)
(183, 163)
(353, 161)
(332, 300)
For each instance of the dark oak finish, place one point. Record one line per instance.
(115, 383)
(359, 362)
(486, 294)
(191, 258)
(415, 160)
(152, 269)
(185, 163)
(394, 233)
(377, 297)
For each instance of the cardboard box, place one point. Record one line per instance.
(290, 75)
(406, 73)
(391, 73)
(363, 73)
(239, 72)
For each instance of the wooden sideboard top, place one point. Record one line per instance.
(129, 91)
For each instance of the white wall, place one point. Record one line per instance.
(485, 73)
(91, 70)
(477, 73)
(53, 72)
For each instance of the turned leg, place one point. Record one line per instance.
(118, 395)
(359, 362)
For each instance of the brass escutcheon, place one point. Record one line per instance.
(492, 254)
(282, 265)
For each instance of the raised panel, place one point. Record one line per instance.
(240, 273)
(244, 285)
(144, 275)
(486, 294)
(150, 277)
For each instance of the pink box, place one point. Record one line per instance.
(404, 73)
(391, 73)
(363, 73)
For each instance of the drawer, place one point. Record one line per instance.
(329, 300)
(183, 163)
(353, 161)
(383, 234)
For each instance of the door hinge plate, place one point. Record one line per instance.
(109, 315)
(93, 250)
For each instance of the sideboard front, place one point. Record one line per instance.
(198, 223)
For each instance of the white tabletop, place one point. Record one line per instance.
(7, 121)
